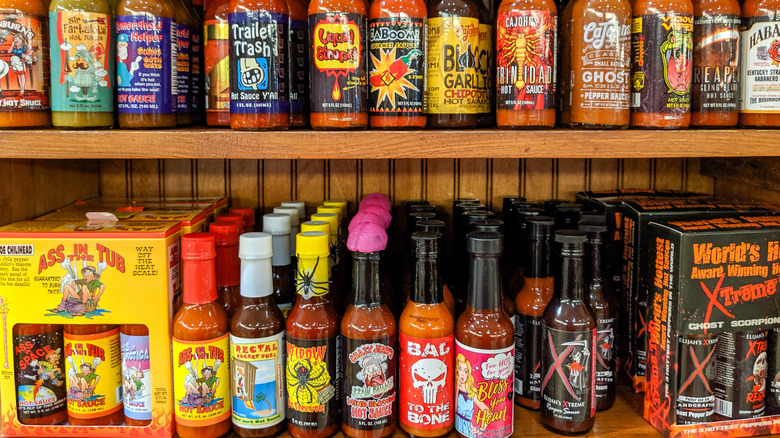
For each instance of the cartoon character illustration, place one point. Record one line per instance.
(21, 57)
(83, 71)
(373, 374)
(253, 73)
(201, 391)
(430, 377)
(759, 373)
(578, 365)
(83, 383)
(388, 75)
(81, 295)
(307, 382)
(522, 48)
(133, 384)
(50, 369)
(676, 57)
(607, 338)
(40, 371)
(466, 395)
(125, 73)
(240, 392)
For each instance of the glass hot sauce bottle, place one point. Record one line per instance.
(759, 19)
(216, 51)
(134, 339)
(29, 341)
(437, 226)
(298, 62)
(278, 226)
(228, 265)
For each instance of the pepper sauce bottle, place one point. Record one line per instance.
(337, 32)
(662, 67)
(426, 354)
(283, 272)
(485, 69)
(248, 213)
(257, 326)
(136, 372)
(201, 356)
(526, 63)
(313, 384)
(228, 265)
(92, 74)
(484, 336)
(197, 93)
(437, 226)
(216, 50)
(184, 25)
(716, 62)
(37, 373)
(298, 64)
(758, 106)
(258, 79)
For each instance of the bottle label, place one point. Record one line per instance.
(216, 45)
(257, 367)
(196, 58)
(312, 380)
(146, 67)
(201, 381)
(568, 374)
(528, 356)
(525, 74)
(258, 81)
(312, 277)
(484, 60)
(94, 371)
(82, 73)
(425, 368)
(773, 373)
(369, 384)
(454, 86)
(183, 67)
(40, 374)
(605, 358)
(397, 75)
(662, 69)
(740, 382)
(136, 379)
(760, 66)
(483, 391)
(715, 63)
(26, 84)
(695, 400)
(338, 70)
(299, 62)
(286, 308)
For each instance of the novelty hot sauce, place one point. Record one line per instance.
(339, 93)
(184, 25)
(216, 49)
(759, 99)
(39, 365)
(201, 357)
(137, 380)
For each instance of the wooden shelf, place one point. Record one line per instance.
(223, 143)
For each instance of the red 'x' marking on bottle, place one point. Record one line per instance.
(699, 370)
(556, 366)
(714, 301)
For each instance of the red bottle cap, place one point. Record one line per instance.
(197, 246)
(228, 263)
(233, 217)
(248, 214)
(225, 233)
(198, 252)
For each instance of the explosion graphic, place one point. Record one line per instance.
(388, 75)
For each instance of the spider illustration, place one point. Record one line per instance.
(305, 284)
(305, 381)
(334, 254)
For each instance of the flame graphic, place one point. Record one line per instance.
(336, 90)
(161, 425)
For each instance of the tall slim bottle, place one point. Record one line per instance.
(216, 50)
(228, 265)
(40, 358)
(136, 374)
(257, 345)
(184, 25)
(568, 339)
(437, 226)
(758, 102)
(278, 225)
(298, 64)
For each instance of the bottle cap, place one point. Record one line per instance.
(312, 244)
(572, 237)
(316, 226)
(459, 209)
(290, 211)
(367, 237)
(524, 204)
(429, 225)
(426, 243)
(550, 204)
(198, 271)
(364, 216)
(340, 203)
(248, 214)
(478, 242)
(198, 246)
(377, 199)
(419, 208)
(384, 215)
(458, 201)
(276, 223)
(255, 246)
(476, 215)
(568, 207)
(232, 217)
(507, 202)
(225, 233)
(331, 209)
(410, 202)
(593, 228)
(539, 227)
(488, 225)
(333, 220)
(593, 218)
(298, 205)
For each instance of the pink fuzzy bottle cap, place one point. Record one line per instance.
(364, 216)
(377, 199)
(367, 237)
(383, 214)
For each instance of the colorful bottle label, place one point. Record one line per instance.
(312, 383)
(299, 66)
(94, 370)
(201, 381)
(196, 60)
(369, 383)
(760, 66)
(605, 358)
(697, 368)
(338, 68)
(425, 369)
(484, 60)
(26, 84)
(715, 63)
(454, 85)
(258, 80)
(286, 308)
(136, 377)
(740, 381)
(528, 356)
(397, 70)
(257, 367)
(525, 71)
(662, 66)
(568, 374)
(40, 374)
(216, 48)
(183, 67)
(483, 391)
(81, 70)
(146, 52)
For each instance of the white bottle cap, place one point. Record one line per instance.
(255, 251)
(276, 223)
(292, 212)
(300, 205)
(255, 246)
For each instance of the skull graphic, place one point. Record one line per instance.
(429, 376)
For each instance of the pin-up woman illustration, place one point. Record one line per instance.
(467, 396)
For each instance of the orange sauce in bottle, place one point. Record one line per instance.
(47, 374)
(758, 15)
(298, 62)
(228, 265)
(136, 337)
(200, 380)
(216, 50)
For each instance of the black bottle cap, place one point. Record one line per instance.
(422, 208)
(593, 218)
(529, 211)
(550, 204)
(593, 228)
(568, 207)
(571, 237)
(458, 201)
(421, 215)
(475, 215)
(426, 243)
(478, 242)
(488, 226)
(509, 200)
(459, 209)
(430, 225)
(539, 227)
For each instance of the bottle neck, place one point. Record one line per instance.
(312, 278)
(365, 279)
(281, 249)
(593, 271)
(199, 282)
(538, 265)
(256, 278)
(228, 266)
(569, 285)
(427, 288)
(484, 282)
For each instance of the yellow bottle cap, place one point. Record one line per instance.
(330, 209)
(333, 220)
(316, 226)
(340, 203)
(312, 244)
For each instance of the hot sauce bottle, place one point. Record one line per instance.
(197, 93)
(184, 24)
(368, 331)
(568, 339)
(437, 226)
(740, 388)
(136, 374)
(338, 77)
(39, 367)
(662, 67)
(94, 373)
(216, 49)
(298, 64)
(258, 51)
(313, 385)
(715, 88)
(485, 68)
(773, 373)
(82, 67)
(696, 378)
(283, 272)
(295, 224)
(339, 266)
(530, 303)
(228, 265)
(526, 63)
(248, 213)
(484, 347)
(517, 253)
(603, 302)
(201, 357)
(759, 99)
(397, 63)
(426, 337)
(27, 78)
(257, 345)
(598, 57)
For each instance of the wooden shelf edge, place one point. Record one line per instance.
(224, 143)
